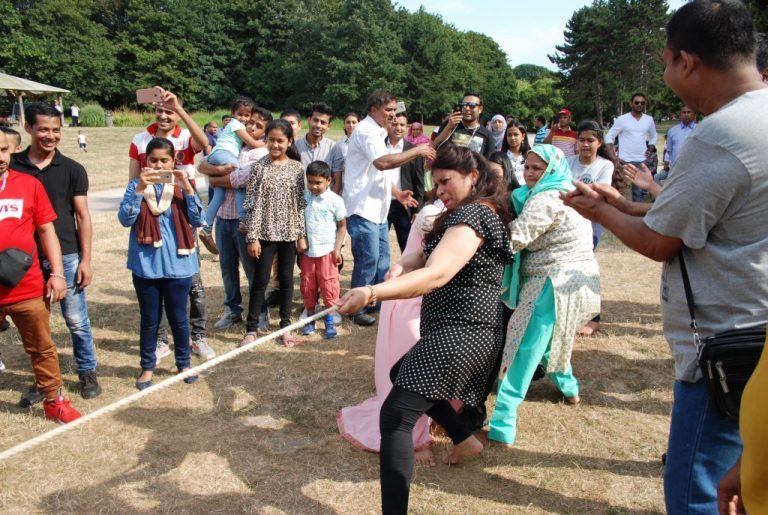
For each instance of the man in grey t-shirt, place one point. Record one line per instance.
(714, 209)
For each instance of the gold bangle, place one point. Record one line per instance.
(374, 298)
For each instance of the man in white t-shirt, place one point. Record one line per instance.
(708, 212)
(635, 131)
(367, 192)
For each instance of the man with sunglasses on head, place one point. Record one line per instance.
(635, 131)
(463, 127)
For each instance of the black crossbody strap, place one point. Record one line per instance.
(688, 291)
(689, 301)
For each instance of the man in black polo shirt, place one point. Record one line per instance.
(66, 183)
(463, 127)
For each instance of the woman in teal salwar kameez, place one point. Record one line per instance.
(554, 287)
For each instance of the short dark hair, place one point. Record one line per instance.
(290, 111)
(322, 108)
(541, 118)
(35, 109)
(264, 114)
(719, 32)
(319, 169)
(242, 101)
(638, 94)
(402, 115)
(11, 132)
(377, 99)
(225, 116)
(474, 94)
(762, 52)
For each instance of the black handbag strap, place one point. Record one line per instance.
(689, 300)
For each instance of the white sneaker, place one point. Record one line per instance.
(200, 347)
(2, 365)
(162, 351)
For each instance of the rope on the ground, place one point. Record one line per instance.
(110, 408)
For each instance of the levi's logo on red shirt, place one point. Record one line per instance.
(11, 208)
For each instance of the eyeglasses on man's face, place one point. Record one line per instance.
(469, 105)
(639, 102)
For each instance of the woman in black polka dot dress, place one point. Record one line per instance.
(459, 274)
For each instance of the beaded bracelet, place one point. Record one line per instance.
(60, 276)
(374, 298)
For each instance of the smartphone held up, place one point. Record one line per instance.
(149, 95)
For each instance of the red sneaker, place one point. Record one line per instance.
(60, 410)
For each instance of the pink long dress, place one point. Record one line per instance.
(398, 332)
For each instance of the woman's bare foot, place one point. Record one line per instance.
(589, 329)
(573, 401)
(466, 449)
(146, 375)
(482, 436)
(425, 458)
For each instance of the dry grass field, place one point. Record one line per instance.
(258, 434)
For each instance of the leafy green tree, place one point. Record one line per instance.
(759, 10)
(532, 72)
(58, 42)
(612, 48)
(542, 97)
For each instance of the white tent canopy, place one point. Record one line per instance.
(18, 87)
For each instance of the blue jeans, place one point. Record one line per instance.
(370, 250)
(153, 294)
(74, 309)
(703, 445)
(638, 194)
(233, 250)
(219, 192)
(198, 315)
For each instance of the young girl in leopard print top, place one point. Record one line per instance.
(275, 204)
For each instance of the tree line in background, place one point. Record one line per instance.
(296, 52)
(613, 48)
(286, 53)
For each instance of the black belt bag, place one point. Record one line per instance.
(14, 264)
(726, 359)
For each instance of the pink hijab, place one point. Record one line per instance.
(417, 140)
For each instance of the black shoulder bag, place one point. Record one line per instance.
(726, 359)
(14, 264)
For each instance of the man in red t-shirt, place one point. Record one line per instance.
(24, 209)
(562, 135)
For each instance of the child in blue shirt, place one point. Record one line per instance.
(229, 144)
(326, 226)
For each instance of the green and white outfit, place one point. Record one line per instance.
(554, 287)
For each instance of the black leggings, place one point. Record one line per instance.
(399, 414)
(286, 258)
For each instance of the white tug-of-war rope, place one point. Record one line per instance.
(41, 439)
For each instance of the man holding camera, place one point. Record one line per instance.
(463, 127)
